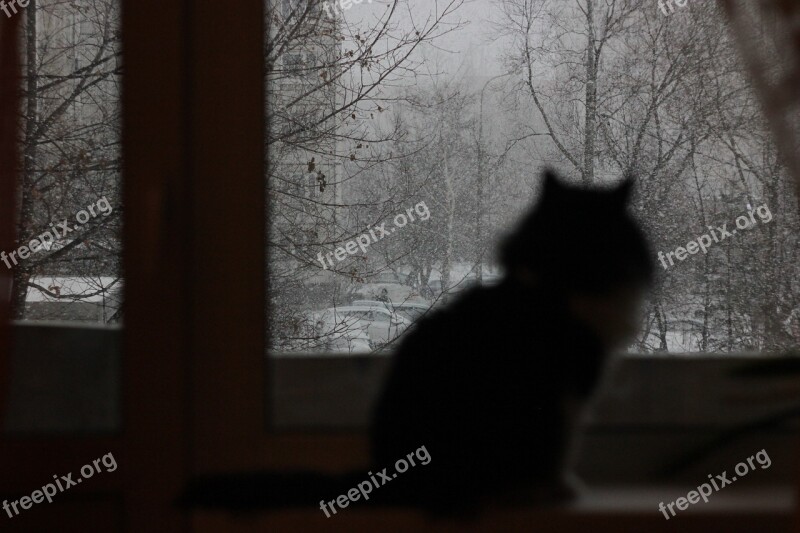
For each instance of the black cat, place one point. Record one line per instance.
(492, 385)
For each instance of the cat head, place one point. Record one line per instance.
(581, 240)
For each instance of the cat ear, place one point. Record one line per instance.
(552, 183)
(624, 190)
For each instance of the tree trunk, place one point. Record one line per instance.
(661, 319)
(590, 119)
(480, 202)
(451, 203)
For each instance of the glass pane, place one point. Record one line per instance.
(67, 264)
(406, 137)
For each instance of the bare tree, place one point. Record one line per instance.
(71, 142)
(331, 80)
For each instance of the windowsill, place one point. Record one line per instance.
(66, 379)
(651, 413)
(608, 509)
(771, 499)
(333, 392)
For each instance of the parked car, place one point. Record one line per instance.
(411, 311)
(383, 324)
(386, 277)
(332, 332)
(381, 292)
(458, 284)
(370, 303)
(435, 286)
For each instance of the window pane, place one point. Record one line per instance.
(407, 136)
(67, 264)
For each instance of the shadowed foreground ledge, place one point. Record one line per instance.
(768, 509)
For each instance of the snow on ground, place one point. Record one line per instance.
(86, 289)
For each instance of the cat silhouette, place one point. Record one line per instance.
(492, 385)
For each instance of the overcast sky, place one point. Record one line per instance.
(470, 45)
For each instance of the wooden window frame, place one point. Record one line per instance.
(195, 269)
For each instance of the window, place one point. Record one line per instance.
(425, 128)
(67, 264)
(66, 255)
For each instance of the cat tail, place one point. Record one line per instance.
(260, 490)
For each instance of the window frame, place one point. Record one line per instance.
(196, 378)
